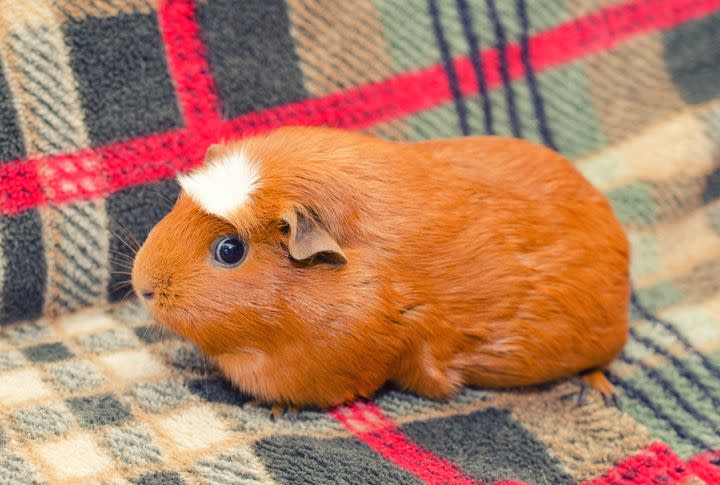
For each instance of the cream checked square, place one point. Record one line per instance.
(20, 386)
(712, 306)
(698, 323)
(87, 322)
(133, 364)
(74, 457)
(194, 429)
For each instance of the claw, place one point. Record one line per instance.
(582, 395)
(276, 412)
(279, 410)
(598, 381)
(293, 413)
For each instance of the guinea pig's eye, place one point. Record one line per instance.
(229, 250)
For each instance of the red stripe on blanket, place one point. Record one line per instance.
(408, 93)
(706, 467)
(658, 464)
(604, 29)
(368, 423)
(187, 61)
(151, 158)
(19, 187)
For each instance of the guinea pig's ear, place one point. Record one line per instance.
(213, 151)
(309, 242)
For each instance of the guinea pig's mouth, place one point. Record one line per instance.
(166, 314)
(177, 317)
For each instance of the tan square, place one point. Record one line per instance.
(592, 437)
(133, 364)
(21, 386)
(627, 99)
(75, 457)
(87, 322)
(194, 429)
(678, 146)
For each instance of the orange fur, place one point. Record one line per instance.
(487, 261)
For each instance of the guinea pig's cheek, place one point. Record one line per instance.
(171, 318)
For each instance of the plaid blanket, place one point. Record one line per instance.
(102, 102)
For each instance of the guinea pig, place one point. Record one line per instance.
(316, 265)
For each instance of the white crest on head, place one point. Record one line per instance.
(224, 185)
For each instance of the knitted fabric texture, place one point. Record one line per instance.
(103, 102)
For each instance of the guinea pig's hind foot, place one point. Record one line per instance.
(598, 381)
(279, 410)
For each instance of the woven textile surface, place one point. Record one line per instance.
(103, 102)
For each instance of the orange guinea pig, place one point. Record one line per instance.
(316, 265)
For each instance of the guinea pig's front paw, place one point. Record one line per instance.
(598, 381)
(279, 410)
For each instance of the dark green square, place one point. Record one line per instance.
(635, 203)
(715, 219)
(217, 390)
(692, 57)
(712, 183)
(122, 76)
(160, 478)
(490, 446)
(307, 460)
(99, 410)
(47, 352)
(251, 53)
(149, 334)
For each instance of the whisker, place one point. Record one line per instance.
(122, 272)
(164, 197)
(124, 264)
(114, 257)
(125, 235)
(120, 285)
(130, 240)
(132, 237)
(127, 244)
(126, 294)
(122, 269)
(121, 254)
(146, 331)
(159, 331)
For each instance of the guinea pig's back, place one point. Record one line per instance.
(522, 252)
